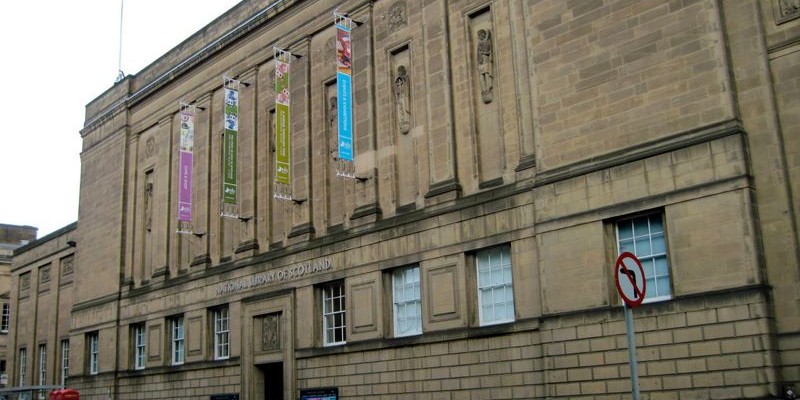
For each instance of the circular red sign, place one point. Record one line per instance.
(630, 279)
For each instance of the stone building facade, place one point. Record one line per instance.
(506, 152)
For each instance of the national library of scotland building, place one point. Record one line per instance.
(425, 199)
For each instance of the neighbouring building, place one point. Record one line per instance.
(504, 153)
(11, 237)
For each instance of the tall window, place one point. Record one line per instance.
(94, 352)
(23, 365)
(64, 362)
(495, 285)
(333, 314)
(406, 301)
(222, 347)
(42, 364)
(177, 340)
(6, 318)
(644, 237)
(139, 347)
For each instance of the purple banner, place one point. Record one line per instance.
(185, 187)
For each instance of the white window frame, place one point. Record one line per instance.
(222, 329)
(42, 364)
(94, 353)
(139, 346)
(23, 365)
(334, 314)
(177, 340)
(6, 318)
(406, 301)
(64, 362)
(645, 253)
(495, 293)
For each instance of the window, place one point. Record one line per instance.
(333, 314)
(139, 348)
(406, 301)
(6, 318)
(23, 365)
(94, 352)
(495, 286)
(644, 237)
(42, 364)
(222, 348)
(64, 362)
(177, 340)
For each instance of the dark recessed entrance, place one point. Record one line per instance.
(273, 380)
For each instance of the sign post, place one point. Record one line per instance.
(631, 284)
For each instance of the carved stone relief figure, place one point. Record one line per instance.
(333, 126)
(788, 9)
(67, 266)
(149, 147)
(148, 206)
(270, 332)
(485, 64)
(397, 16)
(44, 274)
(402, 99)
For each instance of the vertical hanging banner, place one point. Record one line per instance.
(230, 149)
(283, 142)
(344, 95)
(185, 168)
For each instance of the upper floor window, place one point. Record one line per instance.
(644, 237)
(334, 314)
(139, 346)
(495, 285)
(222, 328)
(93, 340)
(23, 365)
(64, 362)
(177, 340)
(6, 318)
(406, 302)
(42, 365)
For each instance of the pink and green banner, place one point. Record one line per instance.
(185, 164)
(230, 144)
(283, 145)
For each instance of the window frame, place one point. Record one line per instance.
(23, 365)
(42, 364)
(328, 296)
(177, 338)
(484, 288)
(94, 352)
(401, 303)
(64, 361)
(5, 319)
(139, 334)
(645, 259)
(220, 318)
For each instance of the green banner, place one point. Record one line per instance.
(230, 147)
(282, 129)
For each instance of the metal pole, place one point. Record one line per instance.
(632, 353)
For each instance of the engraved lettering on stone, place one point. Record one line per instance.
(397, 16)
(149, 147)
(402, 99)
(485, 64)
(270, 332)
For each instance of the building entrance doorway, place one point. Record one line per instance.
(273, 380)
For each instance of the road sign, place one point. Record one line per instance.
(629, 277)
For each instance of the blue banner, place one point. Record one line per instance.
(345, 108)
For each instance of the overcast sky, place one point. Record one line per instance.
(57, 56)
